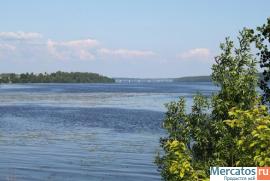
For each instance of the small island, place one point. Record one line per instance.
(57, 77)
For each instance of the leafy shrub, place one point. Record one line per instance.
(253, 142)
(230, 129)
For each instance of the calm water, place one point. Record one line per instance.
(84, 131)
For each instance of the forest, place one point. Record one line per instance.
(57, 77)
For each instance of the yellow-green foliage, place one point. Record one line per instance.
(253, 142)
(177, 163)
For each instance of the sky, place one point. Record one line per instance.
(121, 38)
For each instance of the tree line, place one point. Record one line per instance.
(57, 77)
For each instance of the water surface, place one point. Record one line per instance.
(84, 131)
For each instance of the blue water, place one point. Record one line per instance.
(85, 131)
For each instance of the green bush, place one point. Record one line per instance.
(253, 142)
(228, 129)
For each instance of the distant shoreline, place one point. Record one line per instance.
(164, 80)
(194, 79)
(84, 77)
(57, 77)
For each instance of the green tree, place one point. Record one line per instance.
(262, 40)
(201, 138)
(185, 150)
(236, 74)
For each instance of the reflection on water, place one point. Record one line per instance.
(84, 131)
(131, 96)
(150, 101)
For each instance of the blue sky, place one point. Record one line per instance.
(120, 38)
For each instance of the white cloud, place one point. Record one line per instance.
(89, 49)
(20, 35)
(86, 43)
(76, 49)
(125, 53)
(196, 53)
(85, 55)
(28, 44)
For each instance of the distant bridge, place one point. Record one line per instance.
(141, 80)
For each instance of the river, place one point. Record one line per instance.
(85, 131)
